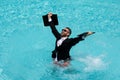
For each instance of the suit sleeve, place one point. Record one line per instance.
(54, 30)
(80, 37)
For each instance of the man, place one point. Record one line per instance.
(61, 54)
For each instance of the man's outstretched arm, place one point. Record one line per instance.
(80, 37)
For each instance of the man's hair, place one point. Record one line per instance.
(69, 30)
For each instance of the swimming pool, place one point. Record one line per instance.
(26, 45)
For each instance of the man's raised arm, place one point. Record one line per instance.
(52, 26)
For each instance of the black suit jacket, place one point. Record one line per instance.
(63, 51)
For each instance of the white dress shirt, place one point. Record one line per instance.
(60, 41)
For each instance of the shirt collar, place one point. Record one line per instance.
(64, 38)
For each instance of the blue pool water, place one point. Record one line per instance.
(26, 45)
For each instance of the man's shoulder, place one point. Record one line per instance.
(69, 39)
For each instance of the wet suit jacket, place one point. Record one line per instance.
(62, 52)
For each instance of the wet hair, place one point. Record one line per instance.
(69, 30)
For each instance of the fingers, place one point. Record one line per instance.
(49, 14)
(90, 33)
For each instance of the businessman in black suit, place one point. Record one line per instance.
(61, 53)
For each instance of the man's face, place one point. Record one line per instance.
(65, 32)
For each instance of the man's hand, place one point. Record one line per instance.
(85, 34)
(89, 33)
(49, 15)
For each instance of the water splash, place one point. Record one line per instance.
(93, 63)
